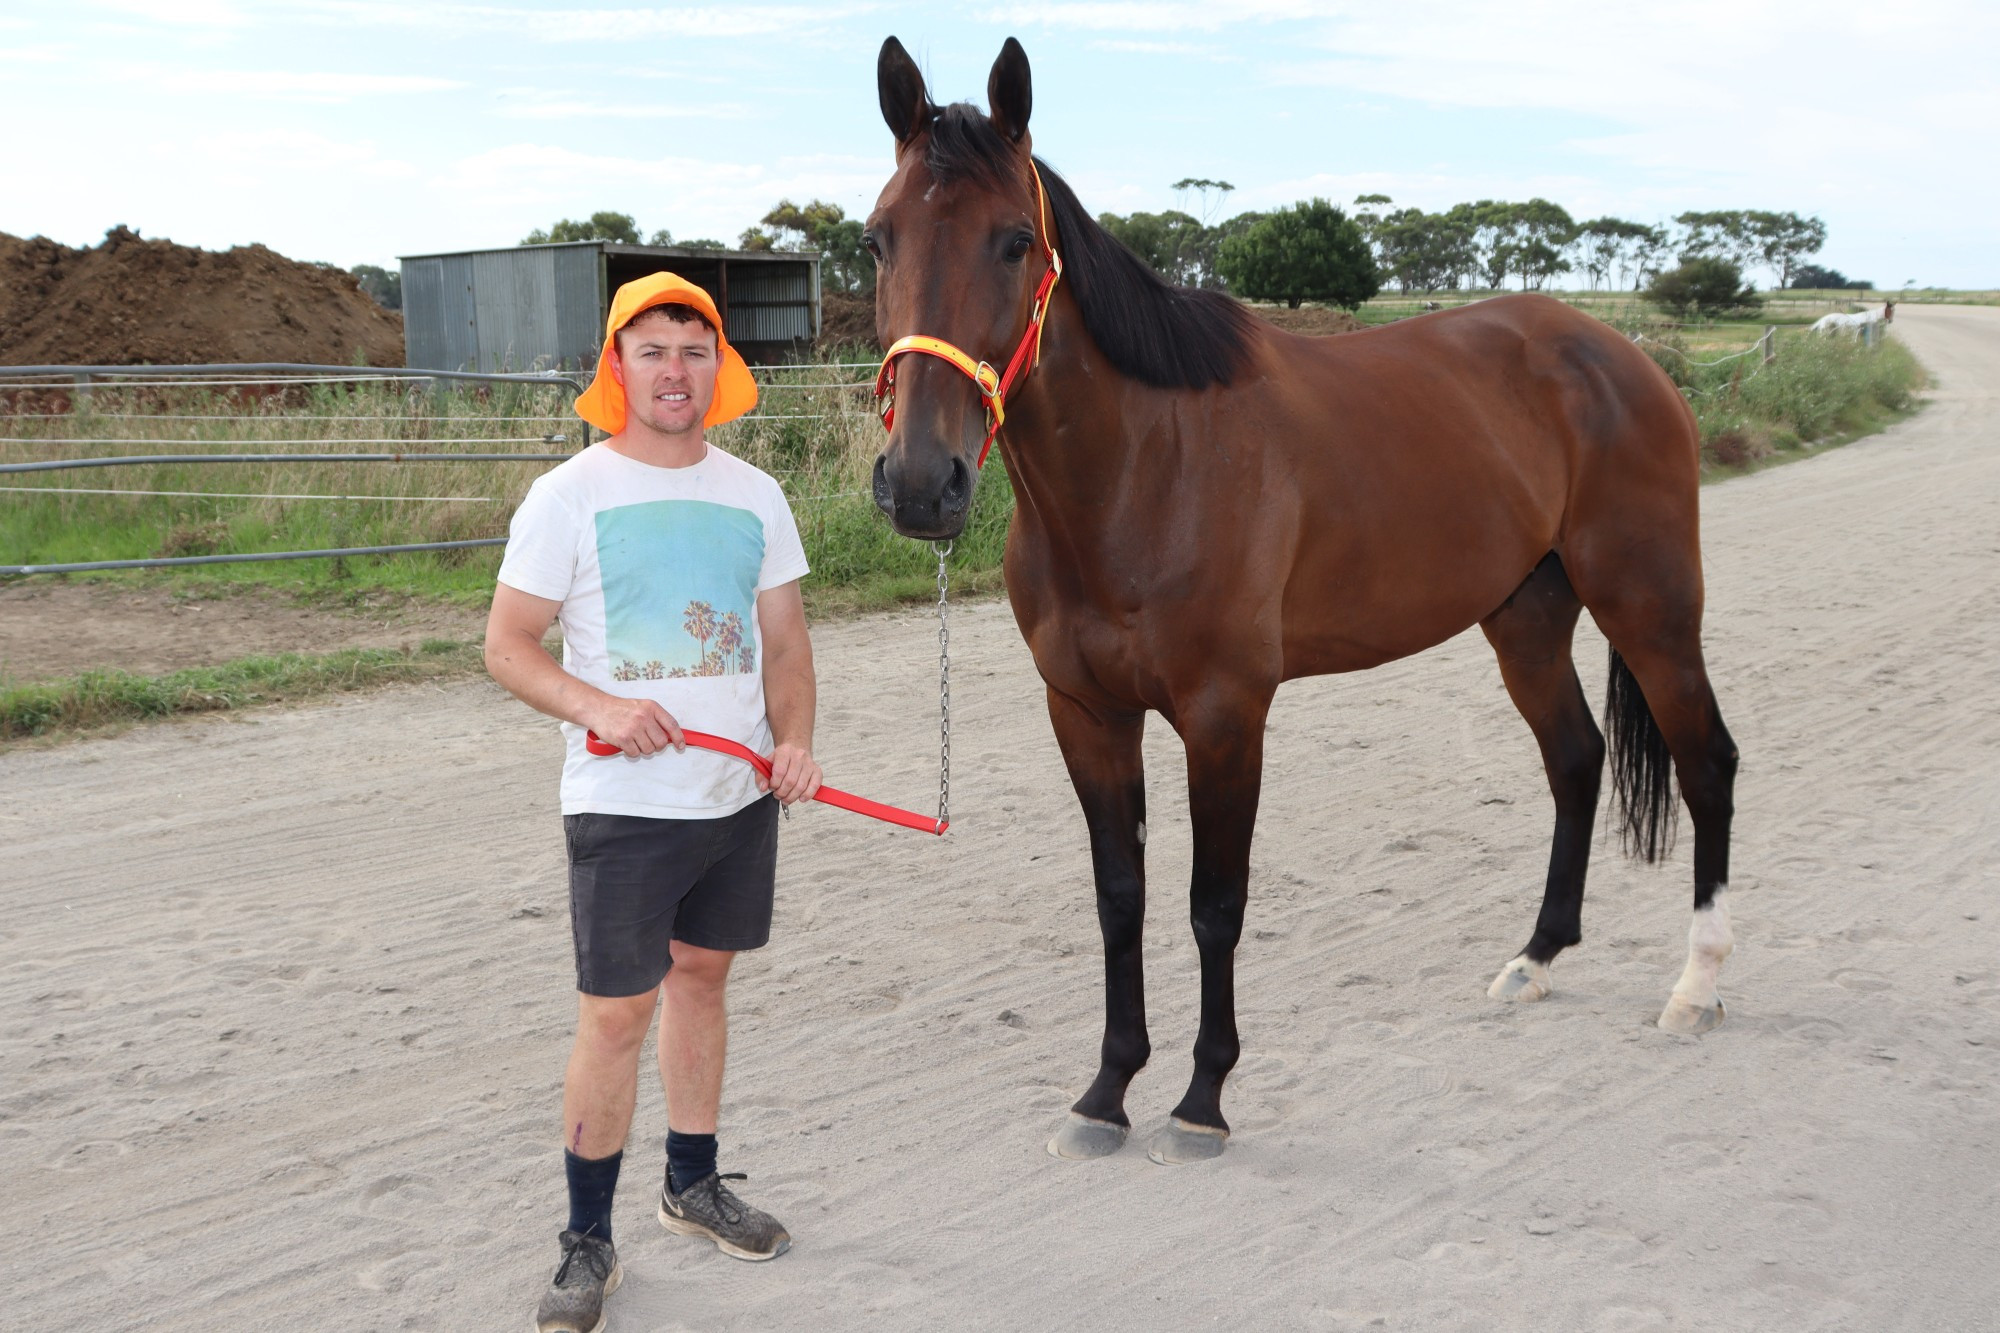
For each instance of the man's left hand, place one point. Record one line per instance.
(795, 775)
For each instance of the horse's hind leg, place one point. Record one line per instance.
(1105, 765)
(1531, 634)
(1656, 645)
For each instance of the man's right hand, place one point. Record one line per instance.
(636, 726)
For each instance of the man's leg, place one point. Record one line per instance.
(729, 910)
(694, 1037)
(602, 1081)
(599, 1089)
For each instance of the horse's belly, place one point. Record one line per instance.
(1353, 616)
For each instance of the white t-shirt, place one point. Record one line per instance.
(658, 571)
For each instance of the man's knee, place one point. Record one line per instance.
(696, 968)
(614, 1024)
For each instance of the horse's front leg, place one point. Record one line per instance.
(1102, 750)
(1225, 748)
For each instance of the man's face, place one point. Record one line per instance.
(668, 370)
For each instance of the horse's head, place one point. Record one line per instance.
(959, 251)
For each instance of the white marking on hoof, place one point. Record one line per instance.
(1181, 1142)
(1082, 1138)
(1142, 833)
(1522, 981)
(1694, 1006)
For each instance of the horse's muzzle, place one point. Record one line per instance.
(926, 498)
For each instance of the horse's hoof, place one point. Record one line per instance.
(1690, 1019)
(1081, 1137)
(1181, 1142)
(1522, 981)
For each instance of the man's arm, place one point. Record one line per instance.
(790, 692)
(515, 657)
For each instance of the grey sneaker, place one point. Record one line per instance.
(574, 1302)
(709, 1208)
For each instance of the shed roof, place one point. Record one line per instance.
(644, 251)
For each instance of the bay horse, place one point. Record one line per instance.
(1207, 506)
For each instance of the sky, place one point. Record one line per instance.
(354, 131)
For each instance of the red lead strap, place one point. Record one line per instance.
(860, 805)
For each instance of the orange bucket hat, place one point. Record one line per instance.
(603, 403)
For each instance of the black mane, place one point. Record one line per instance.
(1166, 336)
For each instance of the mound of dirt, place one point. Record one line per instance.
(846, 320)
(1309, 321)
(133, 301)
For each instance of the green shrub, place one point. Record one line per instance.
(1703, 286)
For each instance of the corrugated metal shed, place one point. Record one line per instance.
(531, 306)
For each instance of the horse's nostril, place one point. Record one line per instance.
(958, 487)
(884, 501)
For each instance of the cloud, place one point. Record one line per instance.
(179, 13)
(1156, 18)
(590, 25)
(1192, 50)
(47, 53)
(302, 86)
(255, 157)
(537, 104)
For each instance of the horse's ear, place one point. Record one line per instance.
(1009, 92)
(906, 106)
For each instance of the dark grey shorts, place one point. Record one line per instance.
(635, 884)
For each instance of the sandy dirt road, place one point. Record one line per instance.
(283, 998)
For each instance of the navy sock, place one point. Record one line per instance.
(591, 1185)
(690, 1157)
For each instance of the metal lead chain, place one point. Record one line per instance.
(943, 550)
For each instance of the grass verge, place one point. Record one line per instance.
(814, 430)
(98, 700)
(1817, 392)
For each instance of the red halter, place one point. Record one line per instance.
(991, 384)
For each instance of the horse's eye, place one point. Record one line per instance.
(1017, 250)
(869, 242)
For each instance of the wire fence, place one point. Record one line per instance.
(333, 452)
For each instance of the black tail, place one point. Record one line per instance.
(1642, 772)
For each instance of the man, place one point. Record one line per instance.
(674, 569)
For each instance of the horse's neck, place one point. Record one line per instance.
(1067, 440)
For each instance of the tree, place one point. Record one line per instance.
(1490, 224)
(1606, 243)
(1784, 239)
(386, 287)
(1704, 285)
(605, 226)
(1309, 252)
(700, 621)
(1174, 244)
(1368, 214)
(1826, 279)
(845, 264)
(1542, 231)
(1202, 189)
(1722, 234)
(1424, 251)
